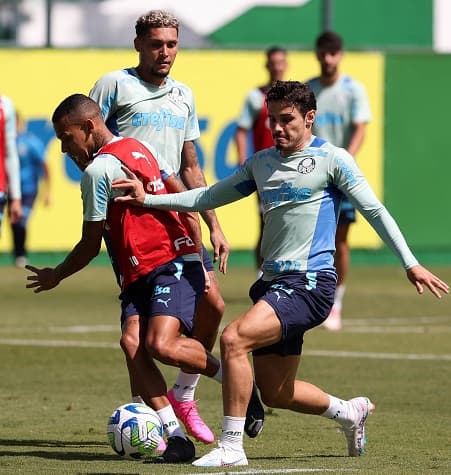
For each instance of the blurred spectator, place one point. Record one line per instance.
(9, 162)
(31, 152)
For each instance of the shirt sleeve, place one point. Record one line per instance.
(96, 189)
(12, 157)
(360, 108)
(350, 180)
(104, 92)
(192, 131)
(233, 188)
(252, 106)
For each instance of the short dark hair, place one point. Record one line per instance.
(76, 104)
(330, 41)
(155, 19)
(295, 93)
(274, 49)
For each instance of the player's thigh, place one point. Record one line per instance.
(275, 373)
(256, 328)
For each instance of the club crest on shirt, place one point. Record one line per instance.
(307, 165)
(175, 95)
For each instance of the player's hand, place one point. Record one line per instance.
(42, 279)
(420, 276)
(221, 249)
(15, 211)
(207, 279)
(133, 188)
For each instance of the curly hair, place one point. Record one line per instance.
(295, 93)
(155, 19)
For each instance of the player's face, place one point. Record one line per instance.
(75, 141)
(289, 129)
(157, 51)
(277, 66)
(329, 62)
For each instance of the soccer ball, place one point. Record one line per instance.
(134, 430)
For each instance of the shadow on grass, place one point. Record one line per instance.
(56, 454)
(51, 443)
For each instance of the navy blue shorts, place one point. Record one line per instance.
(301, 301)
(171, 289)
(347, 213)
(208, 263)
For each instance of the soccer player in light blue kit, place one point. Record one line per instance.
(342, 115)
(300, 183)
(144, 102)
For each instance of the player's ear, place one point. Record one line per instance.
(310, 118)
(137, 43)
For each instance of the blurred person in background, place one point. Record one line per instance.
(9, 163)
(254, 118)
(32, 154)
(342, 116)
(144, 102)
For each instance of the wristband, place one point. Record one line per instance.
(147, 201)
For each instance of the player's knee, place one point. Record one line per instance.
(231, 344)
(129, 343)
(161, 350)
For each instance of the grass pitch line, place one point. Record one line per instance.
(277, 471)
(377, 356)
(327, 353)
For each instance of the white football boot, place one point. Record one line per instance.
(222, 456)
(355, 430)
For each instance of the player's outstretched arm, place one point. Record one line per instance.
(87, 248)
(420, 277)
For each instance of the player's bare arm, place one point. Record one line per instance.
(190, 220)
(241, 144)
(420, 276)
(192, 177)
(81, 255)
(357, 138)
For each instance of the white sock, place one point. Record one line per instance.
(339, 294)
(138, 399)
(338, 410)
(185, 386)
(232, 432)
(170, 423)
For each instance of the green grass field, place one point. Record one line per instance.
(62, 374)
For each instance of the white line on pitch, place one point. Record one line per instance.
(280, 470)
(327, 353)
(377, 356)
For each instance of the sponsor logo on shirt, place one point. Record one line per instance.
(286, 192)
(159, 120)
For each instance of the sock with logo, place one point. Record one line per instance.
(338, 410)
(185, 386)
(232, 432)
(170, 423)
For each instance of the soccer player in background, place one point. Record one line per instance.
(158, 258)
(9, 163)
(254, 118)
(31, 153)
(146, 103)
(300, 181)
(342, 115)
